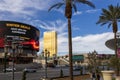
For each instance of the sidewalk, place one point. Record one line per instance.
(77, 77)
(91, 79)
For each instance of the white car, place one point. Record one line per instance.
(10, 69)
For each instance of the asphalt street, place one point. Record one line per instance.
(52, 72)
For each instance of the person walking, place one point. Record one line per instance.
(93, 76)
(98, 76)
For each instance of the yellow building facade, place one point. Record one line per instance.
(50, 42)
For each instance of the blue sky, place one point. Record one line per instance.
(86, 35)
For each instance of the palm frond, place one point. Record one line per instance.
(103, 23)
(110, 16)
(113, 11)
(109, 25)
(86, 2)
(102, 19)
(106, 14)
(75, 8)
(57, 5)
(111, 8)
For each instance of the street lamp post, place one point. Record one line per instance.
(13, 48)
(5, 52)
(46, 55)
(5, 56)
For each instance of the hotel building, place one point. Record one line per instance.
(50, 42)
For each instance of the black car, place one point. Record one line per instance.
(30, 70)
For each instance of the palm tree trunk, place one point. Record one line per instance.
(115, 44)
(70, 48)
(117, 65)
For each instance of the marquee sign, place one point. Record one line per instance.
(27, 34)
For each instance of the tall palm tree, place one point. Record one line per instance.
(69, 4)
(111, 16)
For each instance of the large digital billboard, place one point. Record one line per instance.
(24, 33)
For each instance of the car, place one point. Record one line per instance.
(30, 70)
(9, 69)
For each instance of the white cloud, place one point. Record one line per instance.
(87, 11)
(77, 13)
(92, 11)
(86, 43)
(59, 26)
(23, 6)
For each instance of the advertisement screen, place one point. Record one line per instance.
(26, 34)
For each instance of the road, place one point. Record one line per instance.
(52, 72)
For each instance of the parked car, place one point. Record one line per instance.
(9, 69)
(30, 70)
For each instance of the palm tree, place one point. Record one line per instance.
(111, 16)
(69, 4)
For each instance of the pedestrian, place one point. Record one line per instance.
(98, 76)
(93, 76)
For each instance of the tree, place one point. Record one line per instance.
(93, 62)
(111, 16)
(69, 4)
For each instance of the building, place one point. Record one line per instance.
(23, 37)
(50, 42)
